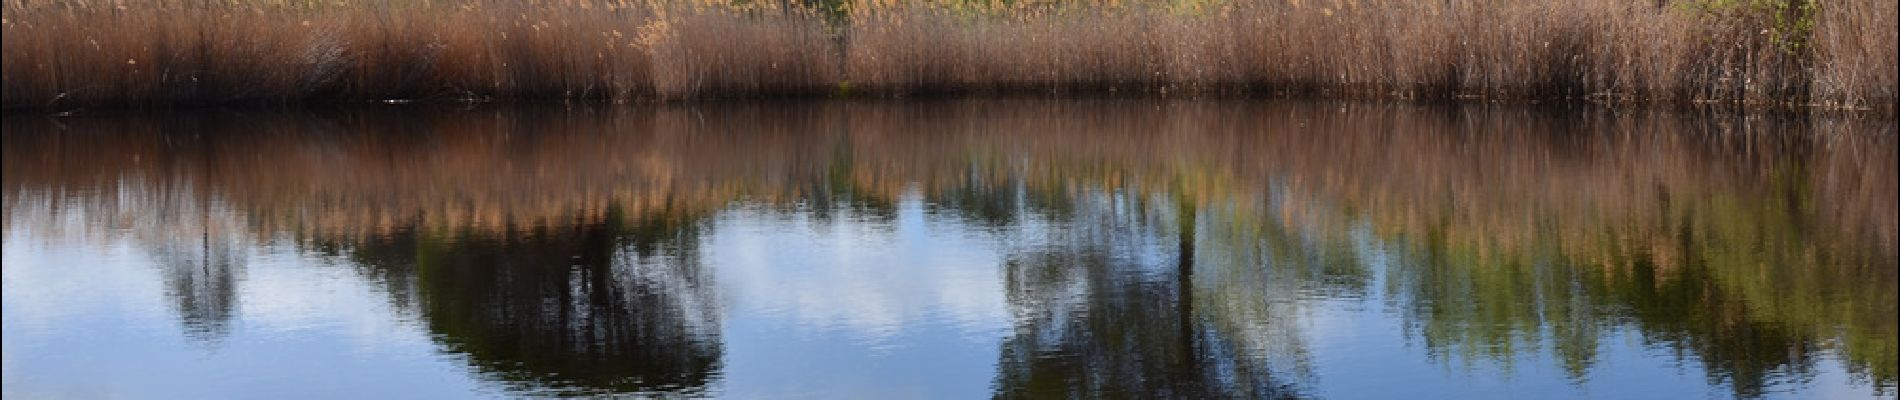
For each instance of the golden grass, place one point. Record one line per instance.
(72, 54)
(1855, 44)
(1612, 50)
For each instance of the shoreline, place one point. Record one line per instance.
(1564, 105)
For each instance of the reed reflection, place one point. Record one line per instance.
(1151, 249)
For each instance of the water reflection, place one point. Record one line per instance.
(601, 306)
(1127, 248)
(198, 257)
(201, 277)
(1096, 318)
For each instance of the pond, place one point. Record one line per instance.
(951, 249)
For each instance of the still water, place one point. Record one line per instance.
(967, 249)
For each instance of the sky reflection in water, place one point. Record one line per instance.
(951, 250)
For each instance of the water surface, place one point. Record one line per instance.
(967, 249)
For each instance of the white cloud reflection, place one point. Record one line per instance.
(869, 277)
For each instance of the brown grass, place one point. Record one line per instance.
(1855, 44)
(1613, 50)
(71, 54)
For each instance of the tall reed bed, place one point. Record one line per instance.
(1613, 50)
(1855, 45)
(69, 54)
(78, 54)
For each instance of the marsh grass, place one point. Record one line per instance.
(75, 54)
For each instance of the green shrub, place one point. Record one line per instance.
(1789, 24)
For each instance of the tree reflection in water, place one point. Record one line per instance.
(1097, 317)
(607, 305)
(1169, 253)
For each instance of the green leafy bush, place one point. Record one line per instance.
(1789, 24)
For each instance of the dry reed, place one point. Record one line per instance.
(73, 54)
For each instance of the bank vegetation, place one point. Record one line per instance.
(1802, 54)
